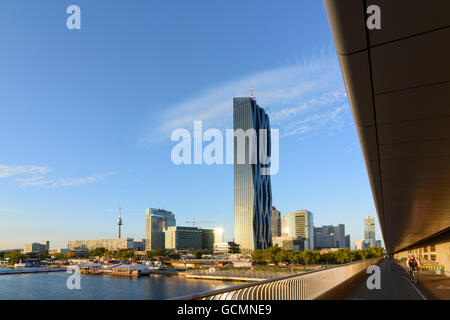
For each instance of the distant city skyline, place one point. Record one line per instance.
(89, 115)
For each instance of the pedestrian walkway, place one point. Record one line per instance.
(435, 286)
(395, 285)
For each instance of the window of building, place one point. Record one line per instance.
(425, 249)
(433, 257)
(433, 248)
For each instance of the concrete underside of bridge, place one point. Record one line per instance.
(398, 83)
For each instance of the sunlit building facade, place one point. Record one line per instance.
(252, 189)
(156, 222)
(301, 225)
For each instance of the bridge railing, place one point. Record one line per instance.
(304, 286)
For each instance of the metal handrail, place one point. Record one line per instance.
(298, 284)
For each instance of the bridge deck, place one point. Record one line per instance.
(395, 285)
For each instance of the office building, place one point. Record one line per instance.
(36, 247)
(156, 222)
(360, 245)
(347, 241)
(329, 237)
(218, 235)
(284, 226)
(378, 243)
(301, 225)
(108, 244)
(324, 237)
(183, 238)
(59, 250)
(369, 231)
(290, 243)
(275, 222)
(207, 237)
(252, 188)
(139, 245)
(226, 248)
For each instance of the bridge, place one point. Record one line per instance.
(398, 84)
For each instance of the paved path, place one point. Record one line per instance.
(434, 286)
(395, 285)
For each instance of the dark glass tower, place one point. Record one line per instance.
(252, 189)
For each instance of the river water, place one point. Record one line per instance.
(51, 286)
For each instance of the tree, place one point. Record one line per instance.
(44, 255)
(14, 257)
(125, 254)
(258, 256)
(344, 256)
(360, 254)
(97, 252)
(233, 248)
(156, 253)
(295, 257)
(311, 257)
(198, 254)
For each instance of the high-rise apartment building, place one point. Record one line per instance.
(275, 222)
(252, 188)
(369, 231)
(108, 244)
(156, 222)
(301, 225)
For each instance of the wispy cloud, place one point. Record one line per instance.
(302, 98)
(8, 171)
(39, 176)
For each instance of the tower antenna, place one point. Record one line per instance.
(251, 92)
(119, 221)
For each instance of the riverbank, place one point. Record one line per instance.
(7, 271)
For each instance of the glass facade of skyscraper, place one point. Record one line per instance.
(252, 189)
(156, 222)
(275, 222)
(369, 231)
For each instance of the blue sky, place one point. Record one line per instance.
(86, 115)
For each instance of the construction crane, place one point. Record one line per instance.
(195, 222)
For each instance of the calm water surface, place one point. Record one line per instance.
(49, 286)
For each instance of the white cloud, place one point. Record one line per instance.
(80, 181)
(8, 171)
(38, 176)
(311, 90)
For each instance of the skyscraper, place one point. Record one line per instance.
(156, 222)
(301, 225)
(275, 222)
(284, 226)
(252, 189)
(347, 241)
(359, 245)
(369, 231)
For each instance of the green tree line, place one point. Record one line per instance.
(277, 255)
